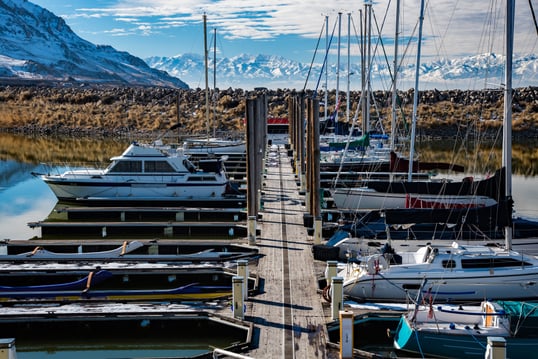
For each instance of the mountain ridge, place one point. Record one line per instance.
(38, 46)
(251, 71)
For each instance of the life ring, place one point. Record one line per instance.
(375, 263)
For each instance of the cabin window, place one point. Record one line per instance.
(157, 166)
(492, 263)
(201, 179)
(127, 166)
(450, 263)
(411, 286)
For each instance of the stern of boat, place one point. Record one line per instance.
(404, 337)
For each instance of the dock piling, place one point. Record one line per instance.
(331, 271)
(337, 295)
(242, 271)
(7, 348)
(346, 319)
(496, 348)
(237, 294)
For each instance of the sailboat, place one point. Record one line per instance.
(463, 331)
(211, 145)
(449, 273)
(349, 148)
(380, 194)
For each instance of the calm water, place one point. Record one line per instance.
(24, 198)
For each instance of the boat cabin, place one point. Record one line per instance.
(138, 159)
(469, 257)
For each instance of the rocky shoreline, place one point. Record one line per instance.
(122, 111)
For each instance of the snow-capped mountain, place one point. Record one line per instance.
(35, 45)
(246, 71)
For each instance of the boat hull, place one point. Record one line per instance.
(188, 292)
(456, 286)
(72, 189)
(440, 345)
(365, 199)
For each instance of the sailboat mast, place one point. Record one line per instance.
(326, 99)
(206, 77)
(507, 126)
(395, 79)
(338, 69)
(348, 63)
(215, 96)
(363, 71)
(415, 95)
(368, 5)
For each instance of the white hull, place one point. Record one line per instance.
(469, 273)
(366, 199)
(445, 287)
(141, 173)
(145, 189)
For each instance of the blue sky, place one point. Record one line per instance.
(289, 28)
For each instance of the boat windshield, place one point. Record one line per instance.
(126, 166)
(157, 166)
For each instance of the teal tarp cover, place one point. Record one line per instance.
(520, 309)
(523, 318)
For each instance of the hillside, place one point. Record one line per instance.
(126, 110)
(38, 47)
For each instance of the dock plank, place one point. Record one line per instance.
(288, 312)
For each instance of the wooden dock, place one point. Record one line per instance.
(288, 313)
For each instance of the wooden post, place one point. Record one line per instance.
(496, 348)
(242, 271)
(331, 271)
(251, 230)
(256, 114)
(7, 348)
(313, 168)
(252, 190)
(337, 295)
(346, 334)
(237, 297)
(301, 142)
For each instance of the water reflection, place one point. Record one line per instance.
(24, 198)
(481, 156)
(27, 201)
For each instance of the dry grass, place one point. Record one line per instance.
(112, 111)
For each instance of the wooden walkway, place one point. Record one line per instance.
(288, 313)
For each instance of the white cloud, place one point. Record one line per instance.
(451, 28)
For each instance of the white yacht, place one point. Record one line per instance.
(145, 173)
(445, 273)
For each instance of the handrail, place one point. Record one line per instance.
(228, 353)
